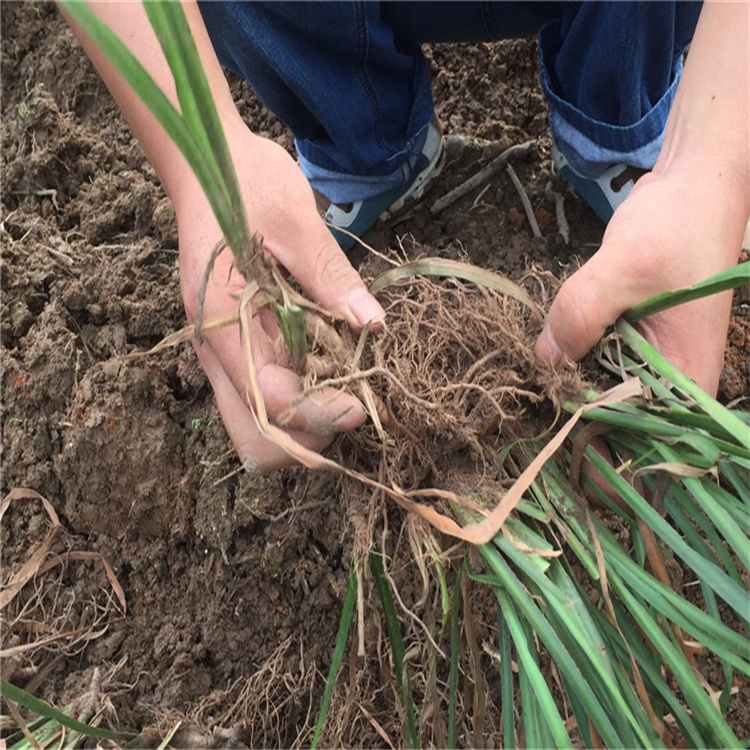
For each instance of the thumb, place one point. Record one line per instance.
(587, 303)
(325, 273)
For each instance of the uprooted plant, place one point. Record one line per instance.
(196, 129)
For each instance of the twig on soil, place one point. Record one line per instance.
(563, 228)
(229, 475)
(496, 165)
(459, 141)
(524, 200)
(62, 259)
(479, 197)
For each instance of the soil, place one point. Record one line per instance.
(226, 576)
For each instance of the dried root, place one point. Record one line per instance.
(50, 604)
(456, 372)
(274, 707)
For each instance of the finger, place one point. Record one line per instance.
(323, 413)
(256, 452)
(322, 269)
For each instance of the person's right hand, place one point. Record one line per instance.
(281, 209)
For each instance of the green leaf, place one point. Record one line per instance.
(40, 707)
(531, 677)
(198, 108)
(563, 658)
(403, 681)
(338, 652)
(651, 672)
(506, 684)
(164, 744)
(679, 380)
(731, 278)
(724, 586)
(568, 616)
(291, 320)
(694, 693)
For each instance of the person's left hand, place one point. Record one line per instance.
(669, 233)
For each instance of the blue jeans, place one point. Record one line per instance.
(350, 81)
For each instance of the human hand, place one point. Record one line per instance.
(669, 233)
(281, 209)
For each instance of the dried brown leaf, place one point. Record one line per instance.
(82, 555)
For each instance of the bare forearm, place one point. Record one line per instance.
(130, 23)
(708, 133)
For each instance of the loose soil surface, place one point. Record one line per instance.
(233, 584)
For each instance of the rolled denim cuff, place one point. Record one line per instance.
(340, 187)
(591, 146)
(590, 159)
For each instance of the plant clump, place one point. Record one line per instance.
(455, 370)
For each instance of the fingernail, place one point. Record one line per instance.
(350, 419)
(547, 349)
(364, 307)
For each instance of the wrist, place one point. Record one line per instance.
(706, 141)
(713, 188)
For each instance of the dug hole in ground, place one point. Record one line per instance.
(233, 583)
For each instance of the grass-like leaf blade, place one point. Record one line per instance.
(403, 681)
(42, 708)
(338, 652)
(731, 278)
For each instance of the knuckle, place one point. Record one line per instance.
(332, 271)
